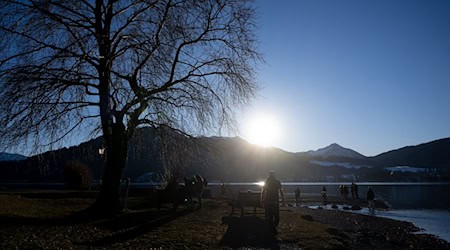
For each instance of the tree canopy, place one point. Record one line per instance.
(111, 66)
(71, 65)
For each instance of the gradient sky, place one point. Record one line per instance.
(370, 75)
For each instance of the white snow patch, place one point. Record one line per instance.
(335, 150)
(339, 164)
(405, 169)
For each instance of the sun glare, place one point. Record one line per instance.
(260, 183)
(263, 131)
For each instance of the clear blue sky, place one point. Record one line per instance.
(370, 75)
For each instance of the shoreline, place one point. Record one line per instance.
(384, 210)
(373, 232)
(426, 220)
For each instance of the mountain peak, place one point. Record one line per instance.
(334, 150)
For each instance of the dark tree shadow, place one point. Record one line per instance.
(133, 225)
(13, 220)
(248, 231)
(124, 226)
(72, 219)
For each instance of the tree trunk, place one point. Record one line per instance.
(108, 200)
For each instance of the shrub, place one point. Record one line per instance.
(77, 175)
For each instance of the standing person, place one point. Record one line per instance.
(323, 192)
(370, 198)
(222, 190)
(270, 200)
(127, 186)
(352, 189)
(345, 192)
(188, 186)
(297, 197)
(356, 191)
(199, 185)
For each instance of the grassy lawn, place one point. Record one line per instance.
(46, 224)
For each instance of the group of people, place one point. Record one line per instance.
(272, 189)
(270, 196)
(353, 188)
(194, 188)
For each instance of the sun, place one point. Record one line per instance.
(262, 130)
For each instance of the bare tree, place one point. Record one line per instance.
(180, 153)
(116, 65)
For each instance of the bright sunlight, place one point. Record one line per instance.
(262, 130)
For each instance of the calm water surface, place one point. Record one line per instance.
(399, 195)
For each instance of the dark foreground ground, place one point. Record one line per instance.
(40, 222)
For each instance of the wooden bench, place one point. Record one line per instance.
(247, 199)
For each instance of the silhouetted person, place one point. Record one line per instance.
(297, 196)
(341, 189)
(356, 191)
(127, 186)
(222, 190)
(189, 185)
(169, 193)
(270, 200)
(199, 185)
(345, 188)
(323, 192)
(352, 190)
(370, 198)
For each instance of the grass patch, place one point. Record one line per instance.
(142, 225)
(308, 234)
(18, 206)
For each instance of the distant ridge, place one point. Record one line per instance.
(435, 153)
(231, 159)
(11, 157)
(335, 150)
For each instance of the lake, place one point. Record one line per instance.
(399, 195)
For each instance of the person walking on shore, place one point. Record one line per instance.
(222, 190)
(352, 189)
(345, 192)
(199, 185)
(270, 200)
(323, 192)
(370, 198)
(356, 191)
(297, 197)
